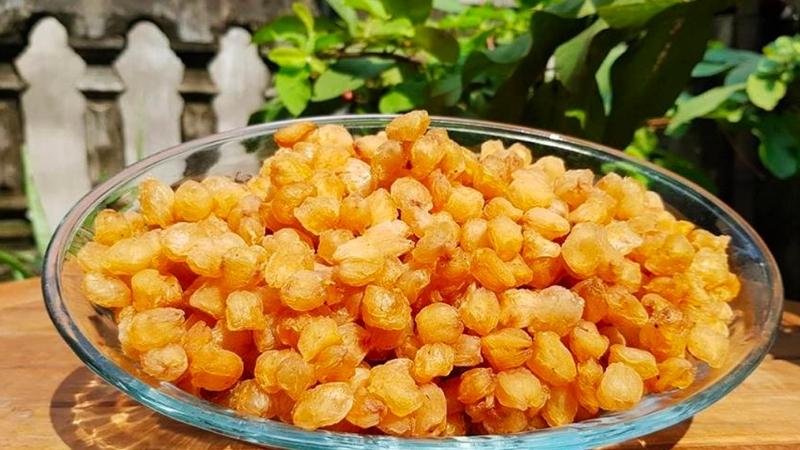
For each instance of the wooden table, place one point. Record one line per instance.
(49, 400)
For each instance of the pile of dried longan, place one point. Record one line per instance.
(400, 283)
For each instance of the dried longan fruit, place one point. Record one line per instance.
(358, 262)
(642, 361)
(209, 297)
(110, 226)
(433, 360)
(246, 397)
(166, 363)
(130, 255)
(408, 127)
(320, 333)
(304, 290)
(586, 342)
(673, 373)
(155, 328)
(150, 289)
(156, 200)
(585, 249)
(426, 153)
(620, 388)
(105, 290)
(431, 416)
(475, 384)
(215, 369)
(519, 389)
(384, 308)
(438, 322)
(589, 374)
(708, 345)
(266, 368)
(324, 405)
(467, 351)
(593, 292)
(318, 214)
(561, 406)
(530, 189)
(355, 214)
(294, 375)
(505, 237)
(193, 201)
(244, 311)
(294, 133)
(491, 271)
(624, 309)
(464, 203)
(367, 409)
(551, 360)
(546, 222)
(500, 206)
(395, 387)
(480, 310)
(555, 309)
(506, 348)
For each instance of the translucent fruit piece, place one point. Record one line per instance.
(323, 405)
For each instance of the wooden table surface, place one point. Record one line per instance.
(49, 400)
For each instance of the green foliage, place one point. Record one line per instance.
(616, 63)
(754, 95)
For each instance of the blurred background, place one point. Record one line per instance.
(706, 88)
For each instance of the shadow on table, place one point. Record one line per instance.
(87, 413)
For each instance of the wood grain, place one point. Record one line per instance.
(48, 400)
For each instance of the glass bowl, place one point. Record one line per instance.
(91, 332)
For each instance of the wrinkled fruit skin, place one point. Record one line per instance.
(400, 283)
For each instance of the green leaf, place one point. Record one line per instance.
(449, 6)
(332, 84)
(364, 67)
(743, 70)
(631, 13)
(271, 110)
(511, 52)
(395, 28)
(439, 43)
(571, 55)
(302, 13)
(603, 74)
(547, 32)
(328, 41)
(447, 89)
(701, 105)
(372, 7)
(283, 29)
(290, 57)
(779, 149)
(294, 89)
(417, 11)
(571, 9)
(648, 77)
(765, 93)
(717, 60)
(403, 97)
(348, 14)
(644, 143)
(475, 65)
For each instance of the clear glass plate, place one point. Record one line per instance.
(91, 332)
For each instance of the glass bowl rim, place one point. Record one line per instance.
(598, 431)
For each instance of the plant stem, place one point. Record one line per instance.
(15, 264)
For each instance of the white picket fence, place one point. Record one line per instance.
(82, 122)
